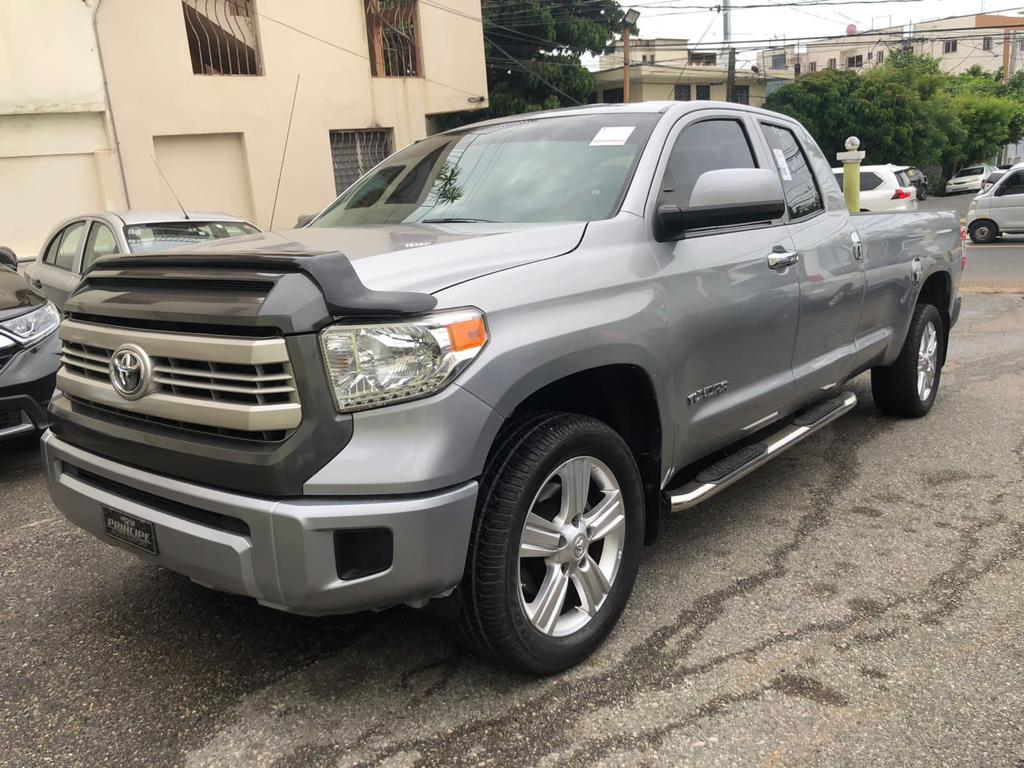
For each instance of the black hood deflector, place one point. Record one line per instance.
(332, 272)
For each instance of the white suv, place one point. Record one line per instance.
(968, 179)
(884, 188)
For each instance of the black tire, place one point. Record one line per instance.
(922, 193)
(895, 387)
(983, 231)
(493, 621)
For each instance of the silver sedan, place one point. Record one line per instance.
(77, 242)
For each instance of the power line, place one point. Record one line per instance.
(523, 67)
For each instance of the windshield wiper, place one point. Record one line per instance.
(459, 220)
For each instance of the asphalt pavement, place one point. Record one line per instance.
(857, 602)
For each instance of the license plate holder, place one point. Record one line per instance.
(132, 530)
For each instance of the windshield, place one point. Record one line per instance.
(553, 169)
(970, 172)
(159, 236)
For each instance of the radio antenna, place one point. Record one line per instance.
(161, 172)
(284, 153)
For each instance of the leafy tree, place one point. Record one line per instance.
(909, 111)
(533, 50)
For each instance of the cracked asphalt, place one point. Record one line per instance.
(857, 602)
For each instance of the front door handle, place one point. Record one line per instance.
(37, 283)
(780, 258)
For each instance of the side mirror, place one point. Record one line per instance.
(8, 258)
(304, 219)
(727, 197)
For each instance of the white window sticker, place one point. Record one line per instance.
(612, 136)
(780, 160)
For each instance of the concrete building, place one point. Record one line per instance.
(667, 68)
(98, 97)
(958, 42)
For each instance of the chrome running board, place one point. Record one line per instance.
(724, 473)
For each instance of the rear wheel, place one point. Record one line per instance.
(908, 386)
(556, 543)
(983, 231)
(922, 193)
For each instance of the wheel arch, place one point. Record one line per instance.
(623, 396)
(937, 290)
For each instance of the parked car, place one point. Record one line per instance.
(883, 188)
(999, 209)
(991, 179)
(918, 179)
(968, 179)
(77, 242)
(480, 377)
(29, 352)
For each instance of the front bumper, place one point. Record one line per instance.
(26, 386)
(280, 552)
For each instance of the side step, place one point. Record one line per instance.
(724, 473)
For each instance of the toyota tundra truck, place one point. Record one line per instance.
(479, 380)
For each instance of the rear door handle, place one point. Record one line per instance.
(780, 258)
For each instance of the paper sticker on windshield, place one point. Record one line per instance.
(612, 136)
(780, 160)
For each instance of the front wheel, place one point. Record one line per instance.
(983, 231)
(908, 386)
(556, 543)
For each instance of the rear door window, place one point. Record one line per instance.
(869, 181)
(802, 195)
(709, 145)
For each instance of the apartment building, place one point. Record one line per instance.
(668, 69)
(125, 101)
(958, 42)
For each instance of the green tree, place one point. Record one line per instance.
(909, 112)
(533, 50)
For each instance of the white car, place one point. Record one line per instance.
(968, 179)
(884, 188)
(999, 209)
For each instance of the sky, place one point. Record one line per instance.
(824, 18)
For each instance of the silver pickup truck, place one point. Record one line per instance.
(479, 379)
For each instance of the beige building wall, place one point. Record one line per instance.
(218, 138)
(324, 42)
(56, 157)
(658, 83)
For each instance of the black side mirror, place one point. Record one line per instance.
(304, 219)
(8, 258)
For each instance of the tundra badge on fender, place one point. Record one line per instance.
(707, 392)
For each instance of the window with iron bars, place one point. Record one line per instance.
(392, 30)
(223, 38)
(355, 152)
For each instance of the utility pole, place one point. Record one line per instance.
(625, 64)
(628, 21)
(1006, 57)
(730, 78)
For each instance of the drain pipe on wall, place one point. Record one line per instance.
(110, 106)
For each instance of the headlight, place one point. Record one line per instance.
(380, 364)
(34, 325)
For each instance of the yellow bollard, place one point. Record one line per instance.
(851, 160)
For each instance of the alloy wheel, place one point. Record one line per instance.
(571, 546)
(927, 362)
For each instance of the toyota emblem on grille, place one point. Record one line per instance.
(130, 371)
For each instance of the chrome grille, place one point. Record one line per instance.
(210, 382)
